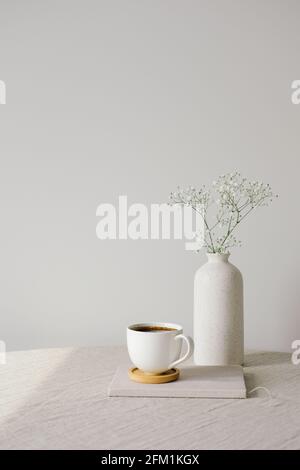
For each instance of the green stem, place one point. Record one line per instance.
(207, 227)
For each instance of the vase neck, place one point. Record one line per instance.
(217, 257)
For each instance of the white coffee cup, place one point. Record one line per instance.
(155, 347)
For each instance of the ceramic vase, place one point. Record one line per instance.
(218, 313)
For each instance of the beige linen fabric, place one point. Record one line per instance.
(57, 399)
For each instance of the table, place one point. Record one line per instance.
(57, 399)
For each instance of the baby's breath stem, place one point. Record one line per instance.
(235, 197)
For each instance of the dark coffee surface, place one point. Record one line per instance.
(153, 329)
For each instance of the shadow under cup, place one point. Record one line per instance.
(153, 347)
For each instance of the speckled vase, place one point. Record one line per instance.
(218, 313)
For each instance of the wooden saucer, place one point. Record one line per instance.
(139, 376)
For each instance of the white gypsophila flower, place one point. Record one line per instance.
(233, 198)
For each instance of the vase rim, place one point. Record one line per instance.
(218, 256)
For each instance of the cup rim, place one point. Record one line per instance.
(174, 326)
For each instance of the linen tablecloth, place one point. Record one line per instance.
(57, 399)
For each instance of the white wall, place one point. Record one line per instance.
(134, 97)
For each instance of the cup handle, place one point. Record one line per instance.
(190, 349)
